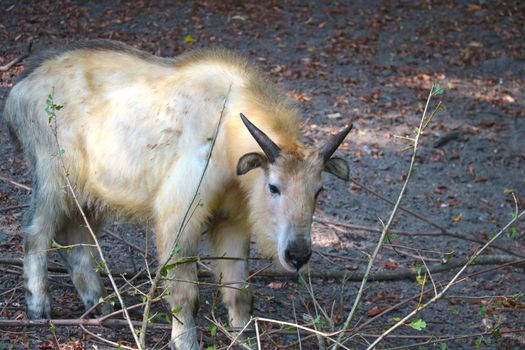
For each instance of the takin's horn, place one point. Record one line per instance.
(269, 148)
(329, 148)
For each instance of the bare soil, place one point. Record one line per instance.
(371, 62)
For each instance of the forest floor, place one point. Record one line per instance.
(369, 62)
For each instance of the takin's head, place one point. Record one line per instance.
(284, 197)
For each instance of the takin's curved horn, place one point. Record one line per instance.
(329, 149)
(269, 148)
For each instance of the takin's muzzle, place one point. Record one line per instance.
(298, 253)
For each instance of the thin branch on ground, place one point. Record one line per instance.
(415, 145)
(443, 231)
(18, 59)
(14, 183)
(398, 274)
(14, 207)
(77, 322)
(473, 258)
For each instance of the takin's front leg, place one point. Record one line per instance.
(232, 239)
(181, 285)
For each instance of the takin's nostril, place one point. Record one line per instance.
(297, 260)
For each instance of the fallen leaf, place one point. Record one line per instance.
(440, 188)
(457, 218)
(508, 99)
(276, 285)
(391, 264)
(189, 39)
(376, 310)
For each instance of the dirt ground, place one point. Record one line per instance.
(372, 62)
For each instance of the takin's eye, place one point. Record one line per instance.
(274, 189)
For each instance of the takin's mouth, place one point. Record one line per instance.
(289, 267)
(286, 266)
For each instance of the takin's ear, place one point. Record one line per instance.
(250, 161)
(338, 167)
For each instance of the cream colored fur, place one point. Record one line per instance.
(136, 131)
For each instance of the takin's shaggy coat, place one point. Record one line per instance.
(134, 134)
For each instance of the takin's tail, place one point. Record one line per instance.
(11, 131)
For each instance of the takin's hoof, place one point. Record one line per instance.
(103, 308)
(39, 309)
(184, 344)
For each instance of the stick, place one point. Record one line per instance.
(16, 184)
(389, 222)
(474, 257)
(444, 231)
(14, 207)
(77, 322)
(54, 128)
(395, 275)
(183, 224)
(18, 59)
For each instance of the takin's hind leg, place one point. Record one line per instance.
(44, 219)
(79, 255)
(232, 239)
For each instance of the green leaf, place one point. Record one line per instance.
(56, 245)
(437, 90)
(420, 279)
(418, 324)
(483, 310)
(176, 310)
(317, 319)
(189, 39)
(213, 329)
(477, 342)
(390, 236)
(513, 231)
(454, 309)
(167, 268)
(211, 347)
(52, 329)
(442, 346)
(302, 281)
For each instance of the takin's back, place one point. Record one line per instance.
(130, 121)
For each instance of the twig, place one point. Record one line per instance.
(14, 183)
(444, 231)
(395, 275)
(51, 110)
(104, 340)
(403, 302)
(76, 322)
(183, 224)
(310, 330)
(444, 290)
(14, 207)
(432, 339)
(18, 59)
(389, 222)
(134, 246)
